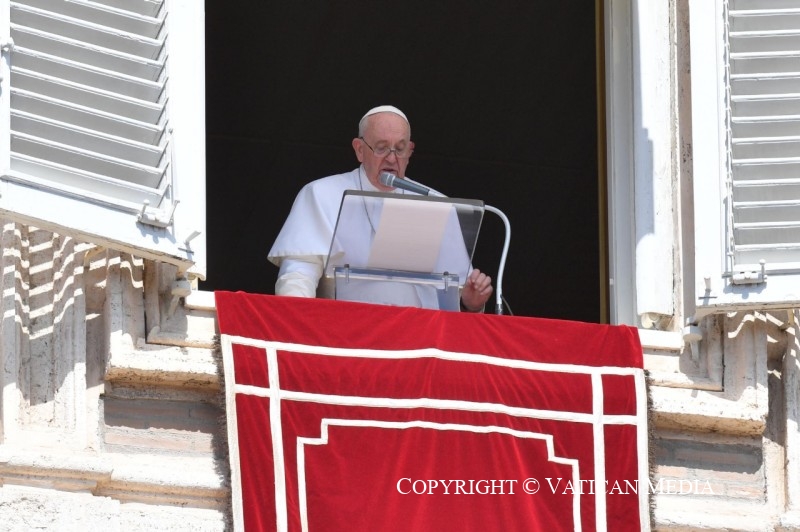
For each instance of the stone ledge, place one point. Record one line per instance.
(661, 340)
(153, 479)
(186, 481)
(685, 409)
(62, 471)
(687, 513)
(30, 508)
(190, 367)
(789, 521)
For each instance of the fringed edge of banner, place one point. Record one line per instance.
(651, 436)
(220, 441)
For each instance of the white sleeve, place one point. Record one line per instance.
(299, 276)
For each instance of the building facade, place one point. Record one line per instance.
(111, 402)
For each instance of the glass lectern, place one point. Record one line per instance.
(406, 250)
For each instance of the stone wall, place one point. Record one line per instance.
(99, 427)
(112, 414)
(723, 427)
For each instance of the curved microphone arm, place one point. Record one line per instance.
(501, 269)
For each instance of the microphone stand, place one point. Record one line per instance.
(501, 269)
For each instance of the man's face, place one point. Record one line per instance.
(384, 130)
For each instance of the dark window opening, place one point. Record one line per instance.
(502, 101)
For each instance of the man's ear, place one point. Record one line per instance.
(358, 147)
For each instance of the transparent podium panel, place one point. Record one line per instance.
(398, 249)
(391, 287)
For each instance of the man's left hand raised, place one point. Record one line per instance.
(477, 291)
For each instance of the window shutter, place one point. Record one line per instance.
(93, 127)
(756, 64)
(764, 139)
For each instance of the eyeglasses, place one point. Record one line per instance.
(384, 151)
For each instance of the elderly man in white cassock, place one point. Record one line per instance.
(383, 145)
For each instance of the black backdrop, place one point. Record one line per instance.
(501, 97)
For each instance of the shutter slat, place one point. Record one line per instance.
(765, 64)
(147, 8)
(766, 148)
(87, 161)
(87, 118)
(762, 161)
(86, 31)
(764, 19)
(777, 256)
(766, 212)
(62, 133)
(765, 190)
(107, 16)
(765, 42)
(104, 101)
(792, 181)
(29, 41)
(737, 5)
(755, 171)
(44, 174)
(766, 105)
(104, 80)
(765, 126)
(779, 83)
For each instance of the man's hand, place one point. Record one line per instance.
(476, 292)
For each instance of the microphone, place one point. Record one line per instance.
(391, 180)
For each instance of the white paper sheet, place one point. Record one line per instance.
(409, 235)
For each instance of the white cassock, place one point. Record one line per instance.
(302, 246)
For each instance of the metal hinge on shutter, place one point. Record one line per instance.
(750, 274)
(156, 217)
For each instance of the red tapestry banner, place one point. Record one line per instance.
(349, 416)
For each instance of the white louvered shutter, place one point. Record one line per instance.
(759, 80)
(98, 95)
(764, 140)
